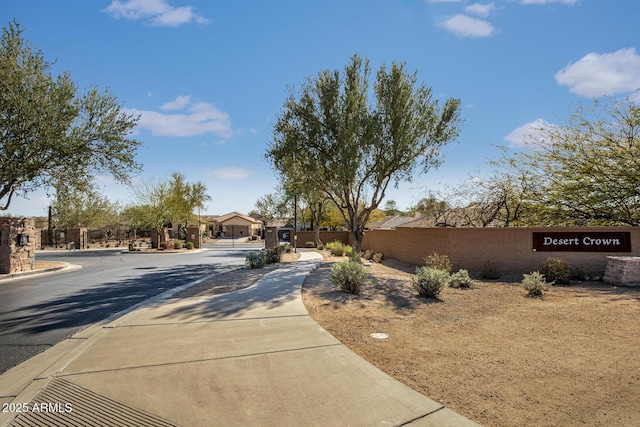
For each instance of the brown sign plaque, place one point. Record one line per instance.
(582, 241)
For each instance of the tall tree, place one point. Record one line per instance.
(184, 198)
(85, 208)
(275, 206)
(331, 135)
(48, 133)
(153, 198)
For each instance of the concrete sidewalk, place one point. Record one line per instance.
(248, 358)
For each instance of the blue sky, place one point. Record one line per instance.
(209, 77)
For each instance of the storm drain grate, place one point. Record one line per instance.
(62, 403)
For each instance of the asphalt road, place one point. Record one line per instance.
(37, 312)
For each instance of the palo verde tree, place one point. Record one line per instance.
(85, 208)
(333, 137)
(49, 134)
(587, 172)
(184, 198)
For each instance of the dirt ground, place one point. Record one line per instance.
(492, 354)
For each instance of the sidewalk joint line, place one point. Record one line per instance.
(212, 359)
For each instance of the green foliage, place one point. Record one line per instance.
(178, 244)
(255, 259)
(429, 281)
(556, 270)
(273, 255)
(49, 135)
(331, 134)
(439, 262)
(460, 279)
(337, 248)
(348, 250)
(586, 171)
(349, 276)
(368, 254)
(189, 245)
(320, 247)
(535, 283)
(287, 248)
(490, 271)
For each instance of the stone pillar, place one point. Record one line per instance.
(194, 235)
(77, 237)
(270, 237)
(164, 236)
(18, 241)
(622, 271)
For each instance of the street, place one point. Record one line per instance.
(37, 312)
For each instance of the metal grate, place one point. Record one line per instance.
(62, 403)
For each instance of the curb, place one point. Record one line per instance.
(22, 274)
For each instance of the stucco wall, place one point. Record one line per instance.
(510, 249)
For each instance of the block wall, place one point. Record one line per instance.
(471, 248)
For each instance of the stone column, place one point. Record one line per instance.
(270, 237)
(194, 235)
(18, 241)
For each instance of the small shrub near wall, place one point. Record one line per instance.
(535, 284)
(490, 271)
(460, 279)
(439, 262)
(428, 282)
(349, 276)
(556, 270)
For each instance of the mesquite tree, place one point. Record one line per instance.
(51, 136)
(330, 137)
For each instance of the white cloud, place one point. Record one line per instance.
(602, 74)
(481, 9)
(567, 2)
(467, 26)
(529, 134)
(230, 173)
(177, 104)
(154, 12)
(198, 119)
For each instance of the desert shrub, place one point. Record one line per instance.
(337, 249)
(429, 281)
(578, 273)
(255, 260)
(320, 247)
(439, 262)
(348, 250)
(490, 271)
(556, 270)
(177, 244)
(167, 245)
(331, 245)
(273, 255)
(377, 257)
(189, 245)
(534, 283)
(460, 279)
(349, 276)
(309, 245)
(368, 254)
(355, 256)
(287, 248)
